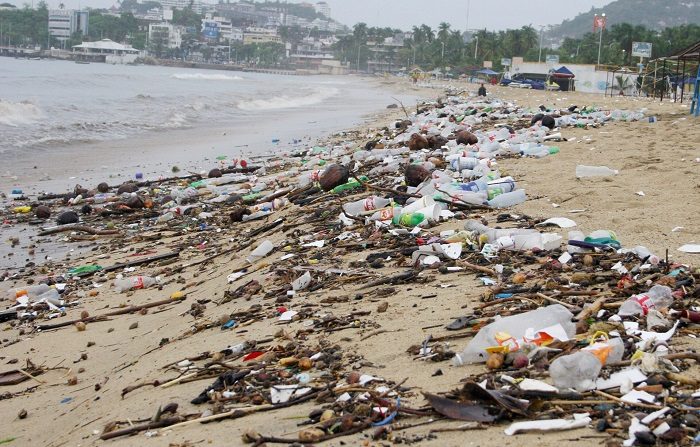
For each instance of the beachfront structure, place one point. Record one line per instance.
(106, 50)
(311, 53)
(63, 23)
(166, 33)
(384, 55)
(260, 35)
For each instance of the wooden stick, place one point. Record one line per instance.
(477, 268)
(178, 380)
(556, 301)
(620, 401)
(141, 427)
(592, 309)
(83, 228)
(30, 376)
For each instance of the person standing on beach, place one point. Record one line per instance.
(482, 90)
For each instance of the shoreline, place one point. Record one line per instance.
(343, 315)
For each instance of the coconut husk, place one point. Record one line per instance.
(416, 174)
(334, 175)
(42, 212)
(466, 137)
(103, 187)
(418, 142)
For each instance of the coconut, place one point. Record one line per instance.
(548, 121)
(536, 118)
(466, 137)
(215, 173)
(334, 175)
(127, 187)
(437, 141)
(135, 202)
(416, 174)
(67, 217)
(103, 187)
(418, 142)
(42, 212)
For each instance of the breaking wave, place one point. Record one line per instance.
(16, 114)
(288, 102)
(206, 77)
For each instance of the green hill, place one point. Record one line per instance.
(654, 14)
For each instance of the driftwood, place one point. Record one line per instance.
(83, 228)
(103, 317)
(141, 427)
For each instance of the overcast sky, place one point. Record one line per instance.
(490, 14)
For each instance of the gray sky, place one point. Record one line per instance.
(490, 14)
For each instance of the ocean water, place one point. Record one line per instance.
(51, 103)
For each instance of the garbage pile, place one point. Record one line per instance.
(573, 330)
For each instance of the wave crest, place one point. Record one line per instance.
(288, 102)
(16, 114)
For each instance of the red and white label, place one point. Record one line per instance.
(386, 214)
(369, 204)
(644, 302)
(138, 282)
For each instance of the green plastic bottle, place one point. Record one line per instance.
(408, 220)
(553, 150)
(352, 184)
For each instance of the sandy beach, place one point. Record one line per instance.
(657, 159)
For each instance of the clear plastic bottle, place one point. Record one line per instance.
(583, 171)
(657, 297)
(508, 199)
(581, 369)
(368, 204)
(31, 291)
(511, 330)
(308, 177)
(134, 283)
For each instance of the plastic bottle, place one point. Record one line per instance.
(50, 296)
(309, 177)
(167, 217)
(408, 220)
(583, 171)
(508, 199)
(581, 369)
(657, 297)
(134, 283)
(368, 204)
(31, 291)
(511, 331)
(350, 185)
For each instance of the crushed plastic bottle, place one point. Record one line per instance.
(535, 327)
(31, 291)
(657, 297)
(134, 283)
(581, 369)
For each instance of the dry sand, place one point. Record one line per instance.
(655, 158)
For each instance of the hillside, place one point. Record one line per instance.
(654, 14)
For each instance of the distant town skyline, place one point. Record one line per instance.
(403, 14)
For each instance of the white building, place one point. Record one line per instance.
(223, 26)
(197, 5)
(260, 35)
(64, 22)
(113, 52)
(324, 9)
(171, 34)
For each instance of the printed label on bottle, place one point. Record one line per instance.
(644, 302)
(138, 282)
(505, 339)
(315, 175)
(369, 204)
(600, 351)
(386, 214)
